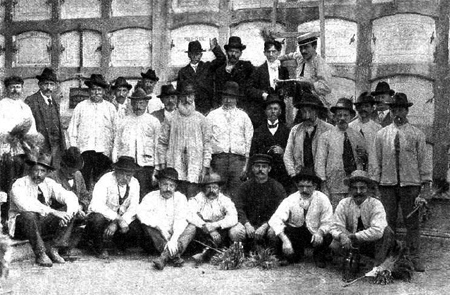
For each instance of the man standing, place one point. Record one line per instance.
(341, 150)
(304, 219)
(232, 133)
(92, 130)
(301, 148)
(238, 71)
(271, 138)
(31, 216)
(137, 137)
(169, 97)
(311, 67)
(403, 169)
(46, 114)
(201, 74)
(121, 88)
(148, 82)
(383, 95)
(164, 214)
(185, 143)
(113, 208)
(256, 201)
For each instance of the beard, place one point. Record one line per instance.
(186, 109)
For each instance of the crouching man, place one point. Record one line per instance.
(163, 214)
(304, 219)
(215, 216)
(31, 216)
(113, 208)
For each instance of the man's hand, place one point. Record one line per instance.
(249, 230)
(261, 231)
(63, 216)
(217, 238)
(276, 149)
(425, 193)
(419, 201)
(345, 241)
(317, 240)
(265, 95)
(172, 247)
(213, 43)
(110, 230)
(123, 225)
(305, 79)
(287, 247)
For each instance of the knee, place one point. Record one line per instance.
(237, 233)
(29, 216)
(271, 235)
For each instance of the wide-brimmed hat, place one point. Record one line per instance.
(230, 88)
(261, 158)
(310, 100)
(12, 80)
(72, 158)
(273, 98)
(121, 82)
(167, 90)
(307, 38)
(125, 163)
(186, 89)
(47, 75)
(168, 173)
(43, 160)
(383, 88)
(195, 47)
(365, 97)
(343, 104)
(139, 94)
(98, 80)
(307, 174)
(399, 100)
(234, 42)
(358, 175)
(213, 178)
(150, 74)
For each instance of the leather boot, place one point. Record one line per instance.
(43, 260)
(160, 262)
(52, 252)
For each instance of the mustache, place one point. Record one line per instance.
(342, 122)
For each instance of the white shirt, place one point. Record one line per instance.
(154, 104)
(273, 72)
(220, 210)
(273, 130)
(194, 67)
(168, 115)
(46, 98)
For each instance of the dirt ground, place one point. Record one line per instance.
(133, 274)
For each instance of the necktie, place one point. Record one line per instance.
(397, 156)
(362, 133)
(360, 225)
(348, 157)
(49, 101)
(122, 199)
(41, 197)
(272, 126)
(303, 70)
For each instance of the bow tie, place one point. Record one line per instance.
(272, 126)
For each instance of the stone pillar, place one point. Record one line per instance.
(160, 40)
(363, 49)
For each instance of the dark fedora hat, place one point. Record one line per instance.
(186, 89)
(72, 158)
(98, 80)
(383, 88)
(365, 97)
(310, 100)
(126, 163)
(307, 174)
(168, 173)
(43, 160)
(234, 42)
(167, 90)
(343, 104)
(273, 98)
(261, 158)
(13, 80)
(399, 100)
(139, 94)
(121, 82)
(195, 47)
(47, 75)
(213, 178)
(358, 175)
(307, 38)
(230, 88)
(150, 74)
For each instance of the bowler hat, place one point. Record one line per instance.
(195, 47)
(234, 42)
(43, 160)
(150, 74)
(310, 100)
(365, 97)
(307, 38)
(213, 178)
(383, 88)
(47, 75)
(121, 82)
(13, 80)
(261, 158)
(307, 174)
(168, 173)
(343, 104)
(273, 98)
(399, 100)
(98, 80)
(125, 163)
(167, 90)
(187, 88)
(230, 88)
(139, 94)
(72, 158)
(358, 175)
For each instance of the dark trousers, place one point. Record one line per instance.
(33, 226)
(392, 197)
(379, 249)
(96, 226)
(159, 242)
(95, 165)
(300, 238)
(229, 167)
(144, 177)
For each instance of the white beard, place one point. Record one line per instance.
(186, 109)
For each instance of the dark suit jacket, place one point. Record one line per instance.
(387, 120)
(36, 102)
(78, 188)
(203, 81)
(159, 115)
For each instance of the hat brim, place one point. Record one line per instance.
(221, 92)
(143, 75)
(140, 98)
(128, 169)
(305, 104)
(46, 78)
(348, 181)
(195, 51)
(32, 163)
(168, 94)
(220, 183)
(241, 47)
(390, 92)
(334, 109)
(90, 84)
(394, 104)
(307, 177)
(78, 165)
(128, 86)
(362, 102)
(159, 177)
(280, 102)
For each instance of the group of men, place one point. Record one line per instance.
(163, 170)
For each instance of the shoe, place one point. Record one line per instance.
(178, 261)
(43, 260)
(103, 254)
(54, 255)
(418, 265)
(284, 262)
(159, 263)
(319, 259)
(198, 258)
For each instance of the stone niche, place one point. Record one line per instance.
(131, 48)
(182, 36)
(26, 10)
(32, 49)
(131, 8)
(70, 50)
(182, 6)
(250, 34)
(404, 38)
(340, 39)
(71, 9)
